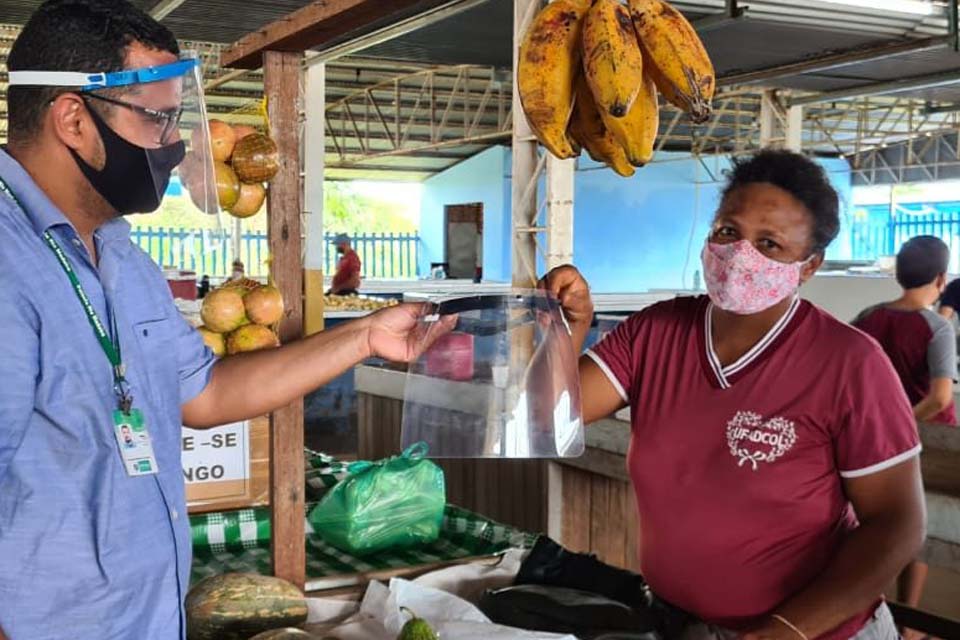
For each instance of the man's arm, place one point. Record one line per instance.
(942, 368)
(251, 384)
(890, 507)
(939, 398)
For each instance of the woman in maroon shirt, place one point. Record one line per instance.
(774, 455)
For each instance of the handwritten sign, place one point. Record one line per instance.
(220, 454)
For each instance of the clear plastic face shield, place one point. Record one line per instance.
(157, 129)
(502, 384)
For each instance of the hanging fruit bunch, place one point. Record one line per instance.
(589, 74)
(240, 316)
(244, 161)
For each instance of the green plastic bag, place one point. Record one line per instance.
(389, 504)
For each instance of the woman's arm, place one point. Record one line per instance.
(599, 397)
(890, 508)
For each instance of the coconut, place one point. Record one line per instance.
(228, 186)
(256, 158)
(222, 310)
(264, 305)
(250, 201)
(251, 337)
(214, 340)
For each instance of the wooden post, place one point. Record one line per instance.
(281, 84)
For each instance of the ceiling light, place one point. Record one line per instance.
(916, 7)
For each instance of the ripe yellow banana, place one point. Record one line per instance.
(611, 57)
(586, 127)
(674, 56)
(637, 131)
(548, 60)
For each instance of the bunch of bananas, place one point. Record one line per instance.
(589, 74)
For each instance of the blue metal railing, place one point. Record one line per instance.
(875, 232)
(211, 252)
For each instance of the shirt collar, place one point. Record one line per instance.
(42, 213)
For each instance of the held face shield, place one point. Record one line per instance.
(502, 384)
(164, 132)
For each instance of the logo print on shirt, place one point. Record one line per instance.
(753, 440)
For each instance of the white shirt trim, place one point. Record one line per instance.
(711, 354)
(607, 372)
(881, 466)
(754, 352)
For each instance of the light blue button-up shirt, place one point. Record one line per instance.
(85, 550)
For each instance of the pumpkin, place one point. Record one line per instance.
(236, 606)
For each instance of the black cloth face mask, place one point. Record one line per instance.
(133, 178)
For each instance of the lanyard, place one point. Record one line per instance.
(110, 343)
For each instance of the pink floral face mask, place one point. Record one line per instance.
(742, 280)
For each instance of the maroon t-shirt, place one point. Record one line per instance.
(348, 268)
(738, 470)
(920, 344)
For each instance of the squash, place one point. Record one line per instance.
(235, 606)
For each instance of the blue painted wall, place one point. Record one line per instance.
(630, 235)
(478, 179)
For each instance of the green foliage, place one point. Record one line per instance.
(364, 208)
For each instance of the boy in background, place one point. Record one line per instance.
(922, 347)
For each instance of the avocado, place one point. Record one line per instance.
(416, 628)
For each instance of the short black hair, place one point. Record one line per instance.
(921, 260)
(802, 178)
(74, 35)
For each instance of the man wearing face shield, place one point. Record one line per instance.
(94, 535)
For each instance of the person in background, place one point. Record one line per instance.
(204, 288)
(950, 301)
(237, 270)
(346, 281)
(919, 342)
(922, 347)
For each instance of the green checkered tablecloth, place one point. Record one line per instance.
(240, 541)
(322, 473)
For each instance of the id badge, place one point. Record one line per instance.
(133, 439)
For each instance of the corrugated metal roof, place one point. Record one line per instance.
(773, 32)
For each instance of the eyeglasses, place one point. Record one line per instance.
(165, 121)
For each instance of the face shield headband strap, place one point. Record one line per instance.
(94, 81)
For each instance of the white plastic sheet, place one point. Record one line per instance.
(453, 618)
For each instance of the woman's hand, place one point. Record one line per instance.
(573, 292)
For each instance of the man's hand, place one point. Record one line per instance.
(396, 333)
(573, 292)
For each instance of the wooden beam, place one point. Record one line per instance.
(319, 24)
(281, 84)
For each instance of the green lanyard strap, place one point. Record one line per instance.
(110, 345)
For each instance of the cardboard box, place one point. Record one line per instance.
(227, 467)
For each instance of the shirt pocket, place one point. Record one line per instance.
(156, 368)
